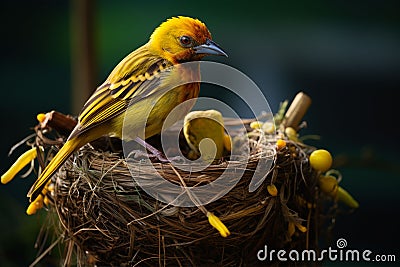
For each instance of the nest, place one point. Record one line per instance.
(105, 218)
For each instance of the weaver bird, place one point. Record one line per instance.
(134, 85)
(205, 134)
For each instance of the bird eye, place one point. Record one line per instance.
(186, 41)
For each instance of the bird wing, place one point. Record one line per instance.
(136, 77)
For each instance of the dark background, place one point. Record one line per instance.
(344, 54)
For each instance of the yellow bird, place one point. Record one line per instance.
(204, 133)
(134, 85)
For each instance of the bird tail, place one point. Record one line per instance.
(62, 155)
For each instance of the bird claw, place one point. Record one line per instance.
(154, 152)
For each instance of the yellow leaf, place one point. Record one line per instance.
(272, 190)
(18, 165)
(328, 184)
(268, 127)
(291, 134)
(291, 229)
(256, 125)
(280, 143)
(41, 117)
(35, 205)
(345, 197)
(301, 228)
(217, 224)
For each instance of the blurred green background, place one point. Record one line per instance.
(344, 54)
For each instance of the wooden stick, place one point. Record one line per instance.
(64, 124)
(296, 111)
(83, 71)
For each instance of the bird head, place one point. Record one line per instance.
(182, 39)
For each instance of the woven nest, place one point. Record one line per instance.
(107, 219)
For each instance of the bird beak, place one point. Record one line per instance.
(209, 48)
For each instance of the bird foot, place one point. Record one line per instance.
(155, 152)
